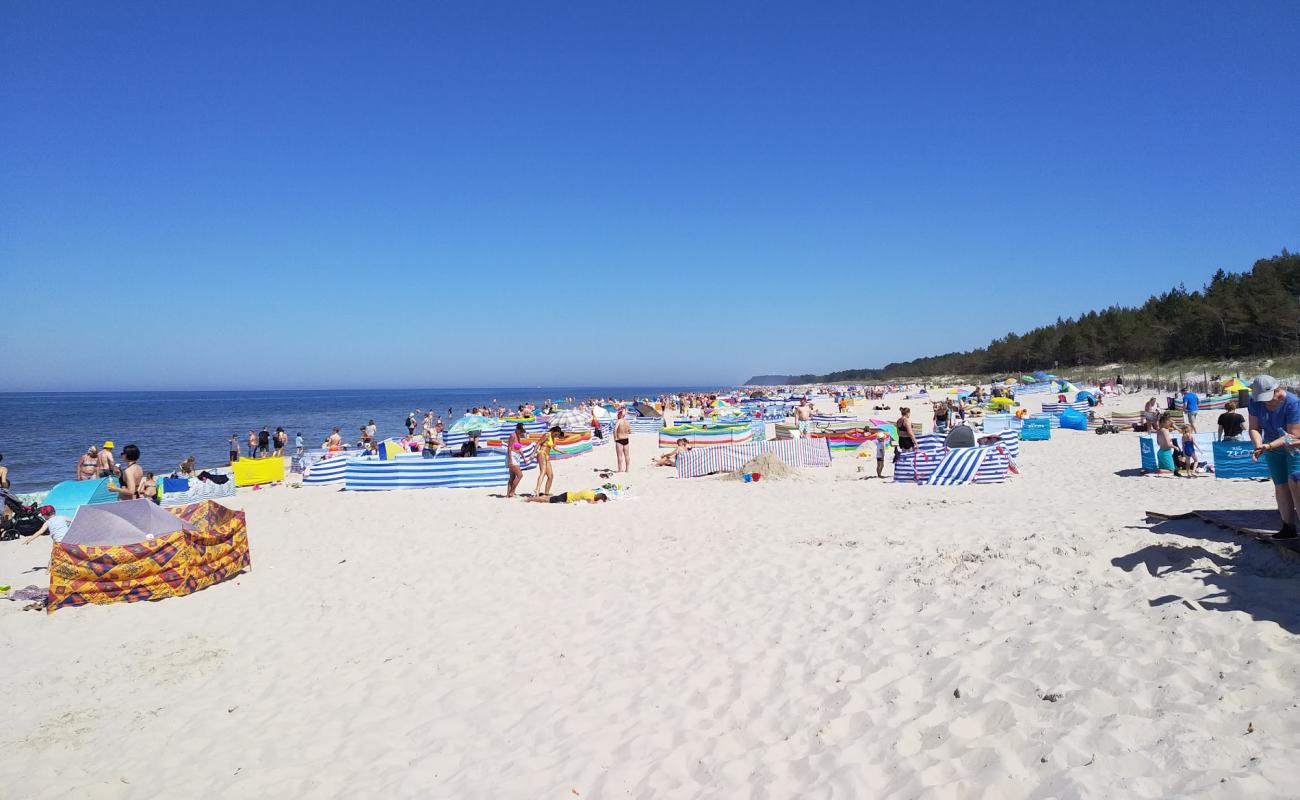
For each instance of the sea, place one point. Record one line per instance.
(45, 433)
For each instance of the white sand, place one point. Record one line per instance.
(703, 638)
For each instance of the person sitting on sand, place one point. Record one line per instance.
(149, 487)
(186, 468)
(586, 496)
(1165, 461)
(669, 459)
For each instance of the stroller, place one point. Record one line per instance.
(26, 519)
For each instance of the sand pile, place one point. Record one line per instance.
(767, 465)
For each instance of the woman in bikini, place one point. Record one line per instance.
(906, 441)
(514, 451)
(544, 460)
(88, 466)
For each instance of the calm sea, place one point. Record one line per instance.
(44, 434)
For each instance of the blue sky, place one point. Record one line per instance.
(256, 195)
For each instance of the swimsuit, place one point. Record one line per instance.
(621, 441)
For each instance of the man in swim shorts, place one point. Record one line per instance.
(1275, 432)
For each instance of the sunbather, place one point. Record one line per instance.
(586, 496)
(669, 459)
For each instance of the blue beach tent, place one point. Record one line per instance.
(68, 496)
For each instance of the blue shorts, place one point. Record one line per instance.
(1283, 465)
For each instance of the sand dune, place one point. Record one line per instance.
(823, 636)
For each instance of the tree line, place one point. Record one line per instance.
(1237, 314)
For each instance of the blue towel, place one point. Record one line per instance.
(172, 485)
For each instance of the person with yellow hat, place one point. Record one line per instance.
(107, 466)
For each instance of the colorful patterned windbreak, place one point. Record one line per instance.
(176, 564)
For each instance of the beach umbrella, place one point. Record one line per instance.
(1235, 385)
(572, 420)
(475, 422)
(601, 413)
(1026, 378)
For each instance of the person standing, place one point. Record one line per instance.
(1191, 404)
(514, 451)
(906, 439)
(264, 442)
(1230, 423)
(334, 442)
(132, 475)
(544, 472)
(298, 448)
(4, 473)
(1275, 432)
(252, 444)
(803, 416)
(622, 438)
(234, 448)
(372, 432)
(410, 424)
(281, 439)
(107, 466)
(88, 465)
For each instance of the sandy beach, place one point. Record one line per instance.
(821, 636)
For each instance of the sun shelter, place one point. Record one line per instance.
(134, 550)
(69, 496)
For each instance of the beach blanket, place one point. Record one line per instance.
(729, 458)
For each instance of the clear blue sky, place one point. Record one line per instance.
(319, 194)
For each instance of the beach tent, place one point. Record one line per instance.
(647, 410)
(475, 422)
(1235, 385)
(68, 496)
(960, 436)
(1084, 396)
(572, 420)
(134, 550)
(1074, 420)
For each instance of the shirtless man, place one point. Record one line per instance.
(105, 461)
(622, 437)
(803, 415)
(334, 442)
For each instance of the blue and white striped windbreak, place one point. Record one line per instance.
(958, 466)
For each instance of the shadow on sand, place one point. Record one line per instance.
(1254, 578)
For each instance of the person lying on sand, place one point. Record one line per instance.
(588, 496)
(669, 459)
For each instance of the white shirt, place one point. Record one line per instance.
(58, 527)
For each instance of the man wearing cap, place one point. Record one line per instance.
(1275, 432)
(104, 461)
